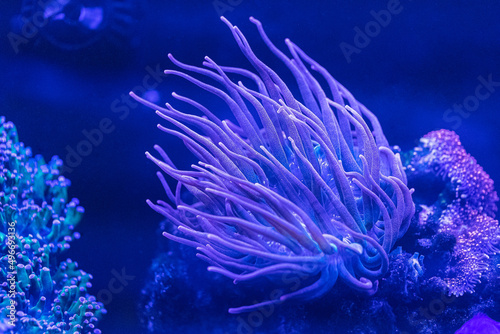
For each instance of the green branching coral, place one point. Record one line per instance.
(39, 294)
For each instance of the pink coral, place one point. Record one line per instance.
(469, 216)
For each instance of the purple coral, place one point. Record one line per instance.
(443, 153)
(469, 214)
(299, 185)
(480, 324)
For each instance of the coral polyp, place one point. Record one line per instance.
(39, 293)
(296, 183)
(468, 204)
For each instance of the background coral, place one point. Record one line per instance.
(465, 202)
(50, 295)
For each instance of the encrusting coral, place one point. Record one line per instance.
(467, 202)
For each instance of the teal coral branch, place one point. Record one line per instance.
(39, 293)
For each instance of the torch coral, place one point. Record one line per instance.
(302, 184)
(38, 293)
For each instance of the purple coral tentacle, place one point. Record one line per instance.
(302, 184)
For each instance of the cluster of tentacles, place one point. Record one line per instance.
(302, 184)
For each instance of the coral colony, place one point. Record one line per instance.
(309, 187)
(465, 207)
(305, 185)
(39, 293)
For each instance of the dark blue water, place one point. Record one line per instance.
(427, 58)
